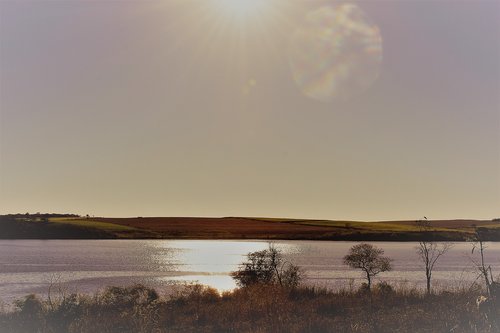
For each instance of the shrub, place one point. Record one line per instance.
(267, 267)
(119, 297)
(31, 313)
(384, 288)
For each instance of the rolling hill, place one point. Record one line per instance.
(22, 227)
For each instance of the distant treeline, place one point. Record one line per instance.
(40, 215)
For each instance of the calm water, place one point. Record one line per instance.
(30, 266)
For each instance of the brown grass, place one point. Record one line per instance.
(267, 228)
(258, 308)
(230, 227)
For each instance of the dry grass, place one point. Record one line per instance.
(253, 309)
(275, 228)
(82, 222)
(230, 228)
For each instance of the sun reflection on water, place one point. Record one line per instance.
(205, 256)
(220, 282)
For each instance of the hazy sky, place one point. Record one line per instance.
(310, 109)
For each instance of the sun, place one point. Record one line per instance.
(241, 8)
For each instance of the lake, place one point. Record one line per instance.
(31, 266)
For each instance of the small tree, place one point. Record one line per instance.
(429, 252)
(368, 258)
(267, 267)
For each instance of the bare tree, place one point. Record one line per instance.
(429, 252)
(368, 258)
(485, 272)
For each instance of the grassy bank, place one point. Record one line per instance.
(257, 308)
(66, 228)
(29, 227)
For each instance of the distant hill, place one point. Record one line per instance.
(21, 226)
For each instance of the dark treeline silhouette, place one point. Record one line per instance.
(39, 215)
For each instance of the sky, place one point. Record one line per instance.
(367, 110)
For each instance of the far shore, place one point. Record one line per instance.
(66, 226)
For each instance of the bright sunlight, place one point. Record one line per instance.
(241, 8)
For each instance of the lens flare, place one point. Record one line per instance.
(336, 53)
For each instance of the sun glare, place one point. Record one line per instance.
(241, 8)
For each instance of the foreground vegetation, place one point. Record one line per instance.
(255, 308)
(53, 226)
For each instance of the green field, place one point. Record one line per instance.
(368, 226)
(117, 230)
